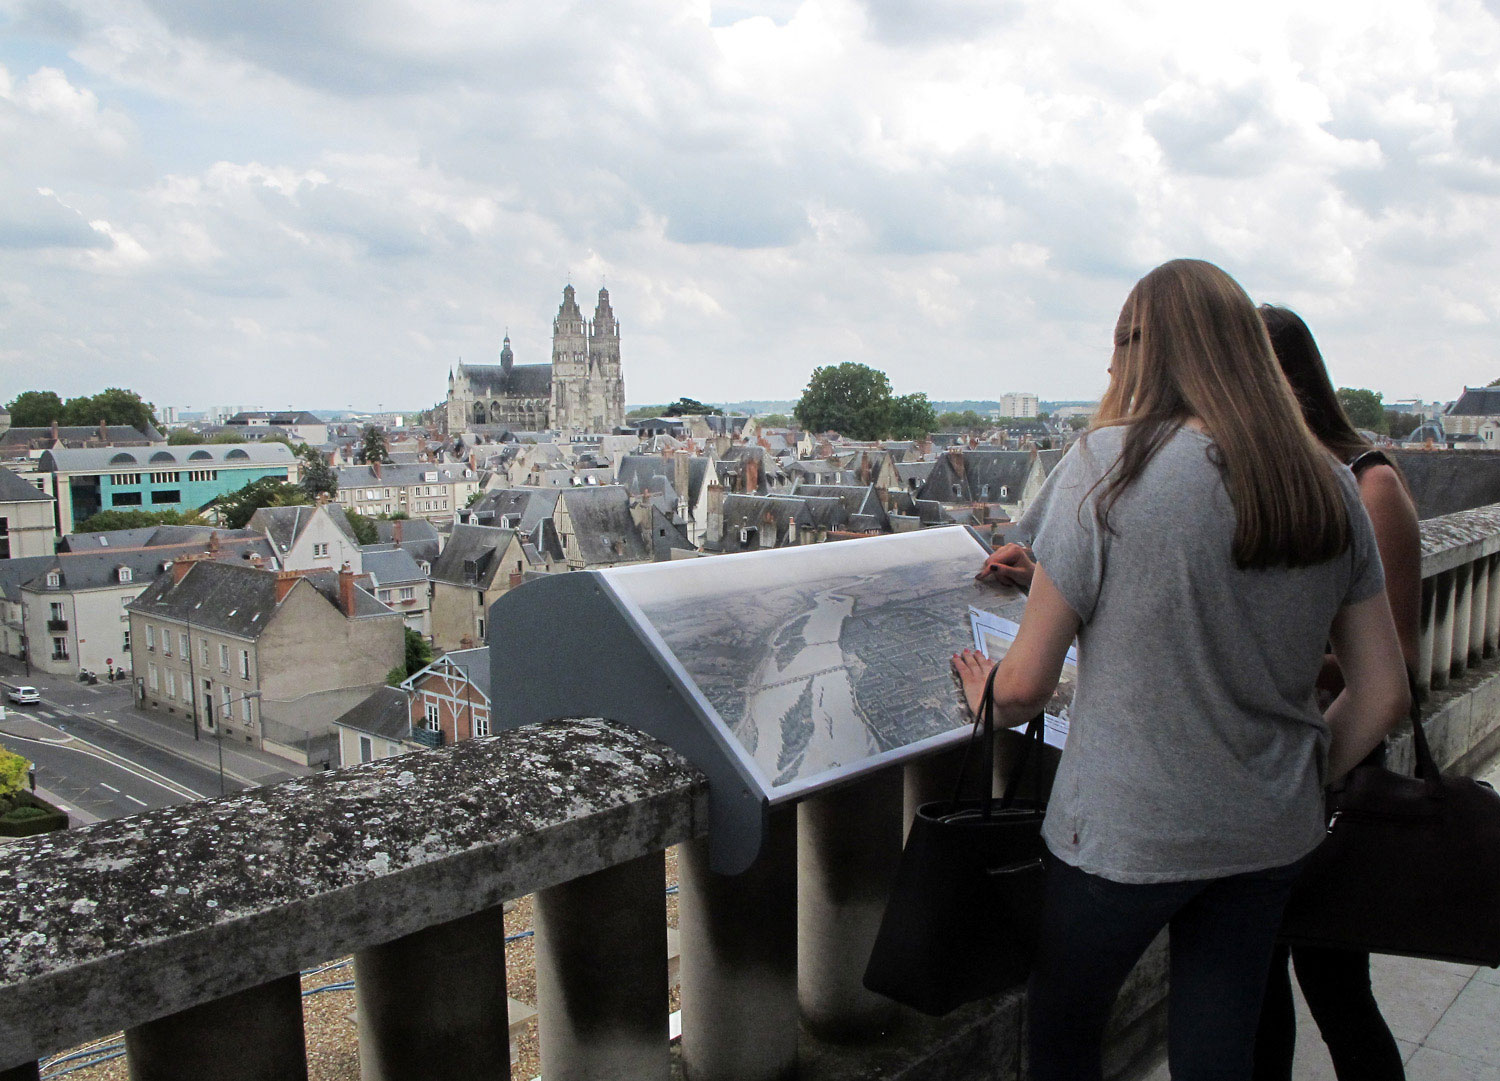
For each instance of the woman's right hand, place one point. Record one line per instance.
(1009, 565)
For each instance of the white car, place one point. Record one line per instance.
(23, 695)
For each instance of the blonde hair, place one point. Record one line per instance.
(1190, 343)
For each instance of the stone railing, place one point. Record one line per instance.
(187, 927)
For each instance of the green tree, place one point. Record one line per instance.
(35, 409)
(364, 528)
(1399, 425)
(226, 437)
(418, 657)
(184, 437)
(1363, 407)
(106, 520)
(114, 405)
(773, 420)
(372, 445)
(851, 399)
(642, 412)
(318, 476)
(12, 773)
(236, 508)
(912, 416)
(691, 407)
(964, 421)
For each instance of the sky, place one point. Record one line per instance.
(278, 203)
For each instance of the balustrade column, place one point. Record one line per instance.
(1463, 608)
(1492, 607)
(1428, 627)
(1479, 610)
(848, 845)
(253, 1035)
(738, 970)
(1442, 629)
(601, 974)
(432, 1004)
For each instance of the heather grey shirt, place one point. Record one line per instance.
(1196, 748)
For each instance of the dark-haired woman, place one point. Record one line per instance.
(1202, 547)
(1336, 983)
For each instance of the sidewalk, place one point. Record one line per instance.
(1446, 1018)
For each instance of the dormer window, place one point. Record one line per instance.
(53, 579)
(124, 574)
(1004, 492)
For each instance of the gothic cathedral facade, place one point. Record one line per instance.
(583, 388)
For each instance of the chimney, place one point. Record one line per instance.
(375, 465)
(213, 541)
(681, 475)
(180, 567)
(715, 515)
(396, 531)
(752, 475)
(346, 590)
(103, 431)
(55, 435)
(285, 580)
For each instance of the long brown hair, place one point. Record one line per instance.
(1189, 343)
(1302, 364)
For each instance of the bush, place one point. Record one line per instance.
(30, 817)
(12, 773)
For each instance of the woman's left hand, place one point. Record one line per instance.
(973, 670)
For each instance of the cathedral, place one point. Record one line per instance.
(583, 388)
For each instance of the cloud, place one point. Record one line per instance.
(37, 219)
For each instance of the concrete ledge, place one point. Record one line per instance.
(118, 923)
(1456, 539)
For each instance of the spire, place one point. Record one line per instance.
(507, 358)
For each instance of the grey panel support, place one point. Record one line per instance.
(254, 1035)
(601, 974)
(739, 961)
(619, 677)
(432, 1004)
(848, 845)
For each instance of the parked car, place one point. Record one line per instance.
(23, 695)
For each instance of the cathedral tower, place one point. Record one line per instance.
(608, 408)
(570, 365)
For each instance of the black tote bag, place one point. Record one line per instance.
(1410, 866)
(965, 910)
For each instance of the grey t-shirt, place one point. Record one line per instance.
(1196, 748)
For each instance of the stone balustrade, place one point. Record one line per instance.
(187, 927)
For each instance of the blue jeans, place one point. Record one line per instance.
(1222, 931)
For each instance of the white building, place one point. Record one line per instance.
(1018, 405)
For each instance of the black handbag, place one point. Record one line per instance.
(964, 913)
(1410, 866)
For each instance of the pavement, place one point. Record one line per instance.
(1445, 1017)
(101, 757)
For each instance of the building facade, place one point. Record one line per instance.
(28, 525)
(583, 387)
(426, 490)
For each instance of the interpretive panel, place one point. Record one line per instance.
(823, 658)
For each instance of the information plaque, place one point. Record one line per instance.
(777, 673)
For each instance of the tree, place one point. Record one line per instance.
(418, 657)
(1400, 425)
(851, 399)
(912, 416)
(184, 437)
(1363, 408)
(644, 412)
(114, 405)
(964, 421)
(364, 528)
(318, 477)
(35, 409)
(13, 770)
(236, 508)
(773, 420)
(372, 445)
(691, 407)
(226, 437)
(106, 520)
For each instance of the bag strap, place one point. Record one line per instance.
(983, 716)
(1426, 765)
(1036, 734)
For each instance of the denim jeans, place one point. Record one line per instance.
(1222, 932)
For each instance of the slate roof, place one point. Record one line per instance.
(532, 505)
(602, 526)
(780, 511)
(666, 538)
(152, 536)
(395, 567)
(14, 573)
(141, 458)
(283, 525)
(473, 547)
(15, 490)
(237, 600)
(393, 475)
(1049, 460)
(913, 471)
(300, 416)
(385, 713)
(856, 499)
(99, 567)
(522, 381)
(413, 531)
(1448, 481)
(117, 435)
(1476, 402)
(979, 476)
(474, 663)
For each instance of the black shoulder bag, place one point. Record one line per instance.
(1410, 866)
(965, 910)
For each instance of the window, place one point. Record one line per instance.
(481, 724)
(366, 749)
(150, 637)
(167, 495)
(408, 593)
(320, 550)
(126, 574)
(163, 478)
(53, 579)
(54, 610)
(152, 678)
(246, 710)
(244, 664)
(385, 596)
(124, 479)
(226, 705)
(187, 646)
(171, 684)
(125, 499)
(480, 623)
(125, 647)
(223, 657)
(431, 719)
(59, 649)
(201, 475)
(166, 642)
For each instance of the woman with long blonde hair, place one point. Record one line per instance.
(1203, 548)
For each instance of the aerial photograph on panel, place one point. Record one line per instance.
(820, 656)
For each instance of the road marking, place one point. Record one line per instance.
(132, 799)
(143, 772)
(110, 720)
(111, 787)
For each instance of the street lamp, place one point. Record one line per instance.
(219, 726)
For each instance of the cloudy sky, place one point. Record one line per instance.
(277, 202)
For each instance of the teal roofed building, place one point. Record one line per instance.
(186, 478)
